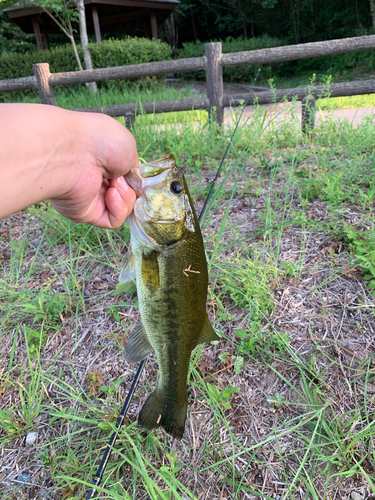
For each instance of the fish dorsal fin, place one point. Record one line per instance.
(128, 268)
(138, 346)
(208, 333)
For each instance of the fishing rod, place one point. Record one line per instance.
(111, 443)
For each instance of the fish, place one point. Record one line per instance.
(167, 259)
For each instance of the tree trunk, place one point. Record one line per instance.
(372, 9)
(193, 23)
(244, 29)
(295, 8)
(252, 30)
(68, 33)
(359, 23)
(172, 34)
(84, 40)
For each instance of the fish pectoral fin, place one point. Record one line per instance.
(128, 269)
(208, 333)
(138, 346)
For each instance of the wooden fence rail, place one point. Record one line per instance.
(335, 90)
(212, 62)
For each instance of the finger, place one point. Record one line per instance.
(119, 201)
(113, 146)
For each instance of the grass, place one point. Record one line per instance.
(282, 406)
(75, 96)
(349, 102)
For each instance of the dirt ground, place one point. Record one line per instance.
(325, 312)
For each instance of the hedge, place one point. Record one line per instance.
(106, 54)
(240, 74)
(338, 65)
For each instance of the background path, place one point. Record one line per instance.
(279, 111)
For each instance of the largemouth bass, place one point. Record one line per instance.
(167, 259)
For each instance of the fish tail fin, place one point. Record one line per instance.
(159, 411)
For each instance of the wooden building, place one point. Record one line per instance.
(138, 17)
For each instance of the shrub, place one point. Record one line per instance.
(106, 54)
(240, 74)
(339, 66)
(12, 38)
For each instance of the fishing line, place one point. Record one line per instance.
(120, 420)
(226, 151)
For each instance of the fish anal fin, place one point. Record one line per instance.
(138, 346)
(128, 269)
(208, 333)
(159, 411)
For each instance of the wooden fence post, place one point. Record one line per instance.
(308, 113)
(129, 119)
(214, 81)
(45, 89)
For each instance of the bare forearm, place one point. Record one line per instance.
(36, 154)
(50, 153)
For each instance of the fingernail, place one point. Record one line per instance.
(117, 194)
(122, 184)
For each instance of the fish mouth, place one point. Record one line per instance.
(135, 181)
(139, 180)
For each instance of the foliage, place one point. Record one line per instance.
(298, 21)
(240, 74)
(106, 54)
(12, 38)
(36, 339)
(248, 281)
(256, 341)
(221, 398)
(48, 308)
(362, 244)
(341, 67)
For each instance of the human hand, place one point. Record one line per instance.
(75, 159)
(100, 195)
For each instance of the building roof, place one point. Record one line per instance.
(114, 15)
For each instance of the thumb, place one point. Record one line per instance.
(119, 200)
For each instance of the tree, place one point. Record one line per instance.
(372, 10)
(12, 38)
(84, 39)
(63, 14)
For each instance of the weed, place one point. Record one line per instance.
(255, 341)
(248, 281)
(84, 236)
(48, 308)
(362, 245)
(220, 398)
(275, 401)
(36, 339)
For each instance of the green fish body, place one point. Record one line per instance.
(169, 263)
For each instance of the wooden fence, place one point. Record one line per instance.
(212, 62)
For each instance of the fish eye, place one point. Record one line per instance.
(176, 187)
